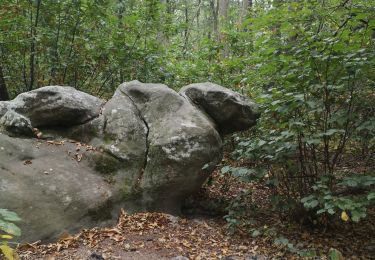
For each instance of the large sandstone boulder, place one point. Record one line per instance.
(183, 145)
(146, 149)
(231, 111)
(55, 106)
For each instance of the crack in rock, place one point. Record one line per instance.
(140, 176)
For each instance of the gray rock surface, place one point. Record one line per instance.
(149, 148)
(50, 190)
(183, 145)
(231, 111)
(56, 106)
(125, 131)
(3, 107)
(12, 122)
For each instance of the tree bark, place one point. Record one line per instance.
(33, 32)
(214, 4)
(223, 9)
(186, 31)
(223, 6)
(3, 88)
(246, 8)
(198, 12)
(71, 48)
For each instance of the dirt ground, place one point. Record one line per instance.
(203, 233)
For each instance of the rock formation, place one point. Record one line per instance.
(69, 160)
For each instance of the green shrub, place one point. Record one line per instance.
(314, 67)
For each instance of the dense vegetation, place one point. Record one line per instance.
(309, 64)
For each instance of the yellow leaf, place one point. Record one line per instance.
(344, 216)
(7, 252)
(6, 236)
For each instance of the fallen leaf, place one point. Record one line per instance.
(344, 216)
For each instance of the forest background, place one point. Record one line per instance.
(308, 63)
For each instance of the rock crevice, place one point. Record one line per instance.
(147, 145)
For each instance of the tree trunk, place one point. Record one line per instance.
(223, 9)
(223, 6)
(199, 12)
(33, 33)
(55, 56)
(3, 88)
(223, 17)
(186, 31)
(246, 8)
(214, 20)
(164, 30)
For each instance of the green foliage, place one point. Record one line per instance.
(309, 64)
(334, 254)
(237, 214)
(91, 45)
(244, 173)
(314, 75)
(294, 248)
(323, 201)
(96, 45)
(7, 231)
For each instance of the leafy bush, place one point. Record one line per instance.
(353, 207)
(314, 67)
(7, 231)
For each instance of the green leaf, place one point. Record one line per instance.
(313, 204)
(335, 254)
(225, 169)
(281, 241)
(327, 197)
(330, 132)
(205, 166)
(9, 215)
(371, 196)
(10, 228)
(255, 233)
(305, 199)
(7, 251)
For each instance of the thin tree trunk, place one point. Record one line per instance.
(33, 32)
(186, 31)
(223, 9)
(246, 8)
(190, 23)
(223, 17)
(215, 21)
(55, 59)
(198, 12)
(169, 19)
(3, 88)
(71, 48)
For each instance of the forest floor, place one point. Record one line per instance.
(203, 233)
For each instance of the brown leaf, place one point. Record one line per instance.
(27, 162)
